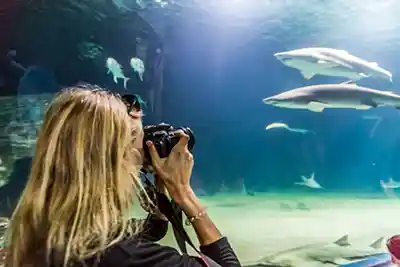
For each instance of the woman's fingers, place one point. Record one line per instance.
(155, 158)
(183, 139)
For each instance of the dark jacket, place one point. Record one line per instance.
(142, 251)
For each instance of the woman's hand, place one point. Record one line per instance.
(176, 169)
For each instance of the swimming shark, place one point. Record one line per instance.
(318, 97)
(390, 184)
(321, 254)
(309, 182)
(331, 62)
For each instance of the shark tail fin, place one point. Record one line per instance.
(377, 244)
(343, 241)
(126, 79)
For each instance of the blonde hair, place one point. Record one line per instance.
(83, 181)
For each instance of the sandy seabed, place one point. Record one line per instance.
(264, 224)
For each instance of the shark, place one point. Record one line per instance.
(335, 253)
(391, 184)
(313, 61)
(316, 98)
(309, 182)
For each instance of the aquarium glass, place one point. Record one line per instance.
(304, 178)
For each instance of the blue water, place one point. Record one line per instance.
(218, 66)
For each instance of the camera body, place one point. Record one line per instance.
(164, 139)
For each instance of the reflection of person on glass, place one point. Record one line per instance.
(83, 181)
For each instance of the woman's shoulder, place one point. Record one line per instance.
(141, 252)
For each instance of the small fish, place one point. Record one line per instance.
(285, 126)
(309, 182)
(116, 70)
(138, 66)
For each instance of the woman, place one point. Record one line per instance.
(83, 182)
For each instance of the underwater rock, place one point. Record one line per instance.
(20, 119)
(285, 207)
(250, 193)
(302, 206)
(4, 221)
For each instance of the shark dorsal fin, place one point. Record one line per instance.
(390, 180)
(343, 241)
(377, 244)
(373, 64)
(312, 177)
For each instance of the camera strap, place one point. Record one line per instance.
(174, 214)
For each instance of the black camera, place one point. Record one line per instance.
(164, 139)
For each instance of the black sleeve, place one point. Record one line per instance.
(143, 253)
(222, 253)
(154, 228)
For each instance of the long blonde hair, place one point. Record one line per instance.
(83, 181)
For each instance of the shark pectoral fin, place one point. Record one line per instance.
(377, 244)
(307, 75)
(108, 72)
(363, 75)
(373, 64)
(368, 103)
(115, 79)
(316, 106)
(303, 178)
(343, 241)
